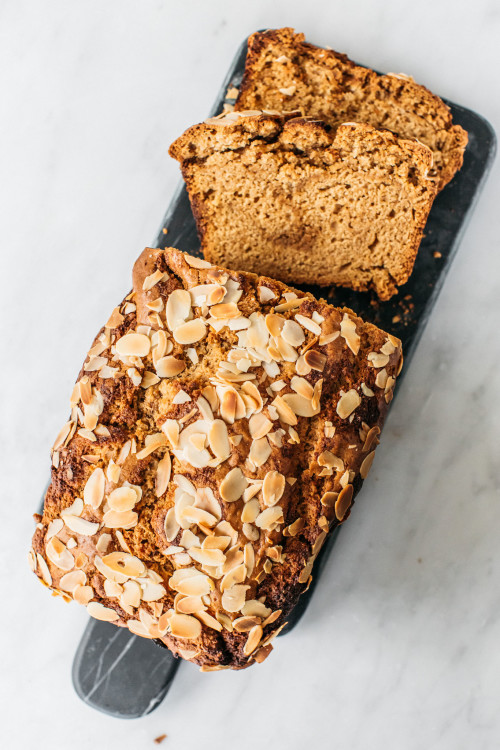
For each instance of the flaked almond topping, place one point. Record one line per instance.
(151, 280)
(190, 332)
(152, 443)
(198, 516)
(169, 367)
(149, 379)
(181, 397)
(329, 499)
(348, 332)
(253, 640)
(133, 345)
(93, 492)
(260, 450)
(327, 338)
(209, 621)
(288, 91)
(245, 624)
(178, 308)
(308, 324)
(265, 295)
(125, 563)
(366, 465)
(344, 501)
(83, 594)
(269, 518)
(301, 406)
(122, 499)
(381, 379)
(115, 520)
(44, 569)
(371, 438)
(302, 386)
(70, 581)
(290, 304)
(377, 359)
(348, 403)
(234, 576)
(62, 435)
(185, 626)
(80, 525)
(172, 526)
(163, 475)
(225, 311)
(250, 511)
(327, 458)
(190, 582)
(293, 333)
(315, 360)
(233, 599)
(210, 557)
(187, 605)
(259, 425)
(59, 555)
(115, 319)
(367, 391)
(194, 262)
(100, 612)
(233, 485)
(218, 439)
(285, 412)
(273, 487)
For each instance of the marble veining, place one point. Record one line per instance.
(399, 648)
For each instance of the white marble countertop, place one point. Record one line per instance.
(399, 648)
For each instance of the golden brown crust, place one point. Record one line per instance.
(190, 507)
(298, 200)
(283, 72)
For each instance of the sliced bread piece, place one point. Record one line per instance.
(304, 203)
(284, 73)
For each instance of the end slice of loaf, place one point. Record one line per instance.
(283, 72)
(305, 203)
(220, 427)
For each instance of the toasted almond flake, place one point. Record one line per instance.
(250, 511)
(381, 379)
(115, 319)
(113, 589)
(115, 520)
(181, 397)
(273, 487)
(152, 443)
(171, 429)
(122, 499)
(59, 555)
(163, 475)
(235, 576)
(178, 308)
(329, 499)
(269, 517)
(54, 528)
(315, 360)
(133, 345)
(327, 458)
(288, 91)
(44, 569)
(152, 592)
(233, 485)
(125, 563)
(255, 608)
(290, 304)
(285, 412)
(348, 333)
(218, 439)
(233, 599)
(151, 280)
(367, 391)
(265, 294)
(185, 626)
(137, 628)
(80, 525)
(198, 516)
(213, 557)
(225, 311)
(100, 612)
(344, 501)
(377, 359)
(194, 262)
(124, 452)
(62, 435)
(348, 403)
(259, 425)
(250, 532)
(190, 332)
(209, 621)
(198, 584)
(308, 324)
(172, 526)
(253, 640)
(188, 605)
(83, 594)
(260, 450)
(293, 333)
(366, 465)
(149, 379)
(301, 406)
(371, 438)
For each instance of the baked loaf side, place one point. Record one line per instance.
(299, 201)
(220, 427)
(283, 72)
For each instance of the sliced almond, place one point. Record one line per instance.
(366, 465)
(218, 439)
(190, 332)
(122, 499)
(233, 599)
(133, 345)
(178, 308)
(169, 367)
(233, 485)
(80, 525)
(273, 487)
(348, 333)
(115, 520)
(259, 425)
(100, 612)
(253, 640)
(348, 403)
(344, 501)
(185, 626)
(269, 518)
(125, 563)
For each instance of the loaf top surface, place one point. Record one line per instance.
(220, 427)
(283, 72)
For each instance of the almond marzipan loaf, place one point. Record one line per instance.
(220, 427)
(297, 200)
(283, 72)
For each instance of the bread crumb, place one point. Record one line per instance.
(160, 739)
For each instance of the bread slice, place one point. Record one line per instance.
(221, 425)
(283, 72)
(299, 201)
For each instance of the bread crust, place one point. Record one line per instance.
(340, 90)
(105, 537)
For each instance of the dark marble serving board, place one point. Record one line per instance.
(127, 676)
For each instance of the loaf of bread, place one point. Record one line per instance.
(220, 427)
(299, 201)
(284, 73)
